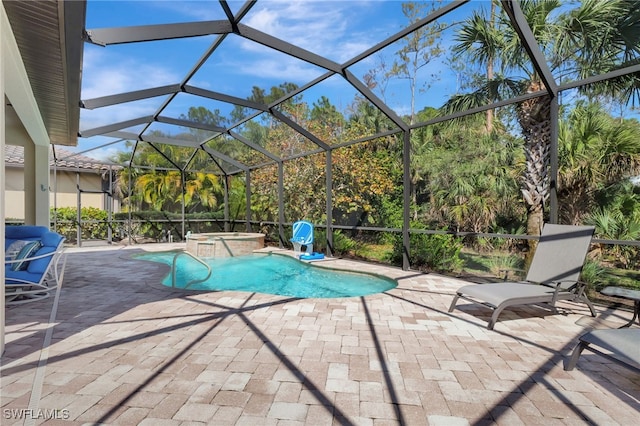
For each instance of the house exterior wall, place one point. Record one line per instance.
(63, 191)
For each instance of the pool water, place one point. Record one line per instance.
(271, 274)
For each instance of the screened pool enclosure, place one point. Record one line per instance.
(447, 117)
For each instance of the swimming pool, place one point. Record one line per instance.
(271, 274)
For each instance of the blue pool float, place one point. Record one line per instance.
(312, 256)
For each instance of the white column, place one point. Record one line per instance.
(2, 158)
(36, 184)
(14, 86)
(29, 178)
(42, 201)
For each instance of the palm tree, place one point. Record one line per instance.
(594, 38)
(160, 188)
(597, 152)
(472, 186)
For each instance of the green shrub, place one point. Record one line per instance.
(342, 244)
(435, 252)
(94, 222)
(612, 223)
(506, 266)
(593, 275)
(154, 224)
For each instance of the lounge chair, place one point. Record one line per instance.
(620, 345)
(553, 275)
(33, 267)
(302, 236)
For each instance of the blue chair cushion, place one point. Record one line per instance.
(50, 242)
(38, 266)
(16, 277)
(29, 250)
(51, 239)
(24, 232)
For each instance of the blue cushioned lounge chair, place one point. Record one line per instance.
(34, 263)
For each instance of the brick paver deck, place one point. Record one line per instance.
(120, 349)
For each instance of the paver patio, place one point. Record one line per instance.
(118, 348)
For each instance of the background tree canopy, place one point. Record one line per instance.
(484, 172)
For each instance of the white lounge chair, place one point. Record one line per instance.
(553, 275)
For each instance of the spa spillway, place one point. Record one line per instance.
(224, 244)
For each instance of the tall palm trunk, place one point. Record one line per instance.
(490, 59)
(534, 116)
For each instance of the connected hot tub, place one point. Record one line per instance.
(224, 244)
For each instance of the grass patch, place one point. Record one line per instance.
(497, 265)
(374, 252)
(620, 278)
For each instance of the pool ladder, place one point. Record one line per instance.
(173, 269)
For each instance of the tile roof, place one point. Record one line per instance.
(14, 155)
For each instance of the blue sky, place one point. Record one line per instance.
(338, 30)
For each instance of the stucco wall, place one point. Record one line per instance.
(65, 186)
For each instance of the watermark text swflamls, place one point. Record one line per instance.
(38, 414)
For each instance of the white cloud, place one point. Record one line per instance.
(100, 148)
(199, 10)
(90, 119)
(338, 30)
(106, 73)
(320, 27)
(104, 154)
(287, 70)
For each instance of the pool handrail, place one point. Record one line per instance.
(173, 269)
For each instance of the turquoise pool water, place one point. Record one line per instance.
(271, 274)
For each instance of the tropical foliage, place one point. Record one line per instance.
(597, 152)
(159, 186)
(596, 37)
(485, 172)
(93, 221)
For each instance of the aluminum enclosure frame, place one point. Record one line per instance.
(233, 25)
